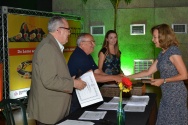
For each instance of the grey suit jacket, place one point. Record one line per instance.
(51, 85)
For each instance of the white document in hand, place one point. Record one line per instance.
(90, 94)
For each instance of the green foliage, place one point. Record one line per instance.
(114, 2)
(85, 1)
(128, 1)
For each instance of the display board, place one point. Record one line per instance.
(1, 81)
(25, 32)
(20, 36)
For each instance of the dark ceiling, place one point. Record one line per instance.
(40, 5)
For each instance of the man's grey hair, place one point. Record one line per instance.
(81, 38)
(54, 23)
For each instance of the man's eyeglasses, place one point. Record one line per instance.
(91, 41)
(65, 28)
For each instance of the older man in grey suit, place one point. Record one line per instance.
(52, 85)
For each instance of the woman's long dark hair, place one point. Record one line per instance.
(106, 44)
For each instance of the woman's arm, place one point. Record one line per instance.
(101, 60)
(103, 77)
(152, 69)
(180, 66)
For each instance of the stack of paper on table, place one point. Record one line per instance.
(137, 104)
(93, 115)
(138, 100)
(133, 104)
(76, 122)
(116, 100)
(108, 106)
(134, 108)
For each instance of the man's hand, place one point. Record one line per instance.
(122, 75)
(117, 78)
(79, 84)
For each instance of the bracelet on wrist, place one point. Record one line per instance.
(164, 81)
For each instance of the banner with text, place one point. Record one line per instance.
(24, 34)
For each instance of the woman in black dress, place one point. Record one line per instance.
(109, 55)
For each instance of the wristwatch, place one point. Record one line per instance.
(164, 81)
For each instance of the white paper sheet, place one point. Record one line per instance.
(108, 106)
(75, 122)
(138, 100)
(90, 94)
(93, 115)
(134, 108)
(116, 100)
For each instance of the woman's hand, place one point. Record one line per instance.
(157, 82)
